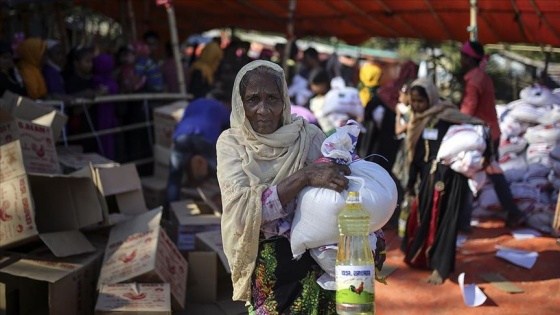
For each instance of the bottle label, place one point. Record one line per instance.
(354, 284)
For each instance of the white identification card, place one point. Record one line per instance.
(430, 134)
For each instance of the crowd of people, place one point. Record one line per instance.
(239, 128)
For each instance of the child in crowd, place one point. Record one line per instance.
(127, 78)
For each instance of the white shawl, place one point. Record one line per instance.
(249, 163)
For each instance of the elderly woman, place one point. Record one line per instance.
(264, 161)
(432, 226)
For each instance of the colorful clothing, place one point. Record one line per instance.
(149, 69)
(432, 226)
(291, 289)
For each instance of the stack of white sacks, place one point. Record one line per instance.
(529, 156)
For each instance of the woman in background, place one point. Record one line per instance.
(432, 225)
(31, 53)
(202, 72)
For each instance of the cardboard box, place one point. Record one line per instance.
(165, 119)
(161, 162)
(16, 106)
(134, 298)
(52, 208)
(188, 219)
(50, 286)
(208, 282)
(155, 191)
(36, 143)
(209, 272)
(11, 161)
(212, 241)
(139, 250)
(119, 191)
(72, 161)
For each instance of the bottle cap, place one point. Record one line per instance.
(353, 194)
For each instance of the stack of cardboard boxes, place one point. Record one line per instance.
(165, 119)
(77, 236)
(63, 237)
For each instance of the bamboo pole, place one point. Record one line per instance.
(290, 36)
(556, 222)
(130, 98)
(132, 20)
(175, 47)
(473, 28)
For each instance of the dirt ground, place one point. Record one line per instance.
(406, 292)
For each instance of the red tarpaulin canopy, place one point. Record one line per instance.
(354, 21)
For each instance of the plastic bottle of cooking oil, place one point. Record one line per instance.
(355, 267)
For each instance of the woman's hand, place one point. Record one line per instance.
(327, 175)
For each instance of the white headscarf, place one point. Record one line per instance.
(249, 163)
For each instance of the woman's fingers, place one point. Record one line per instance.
(345, 169)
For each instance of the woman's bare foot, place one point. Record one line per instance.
(435, 278)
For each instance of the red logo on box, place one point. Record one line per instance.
(128, 258)
(133, 296)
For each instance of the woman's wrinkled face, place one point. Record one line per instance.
(263, 103)
(418, 102)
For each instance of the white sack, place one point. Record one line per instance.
(488, 199)
(523, 192)
(527, 113)
(511, 127)
(556, 167)
(543, 134)
(514, 167)
(477, 182)
(539, 153)
(555, 153)
(315, 221)
(344, 100)
(552, 116)
(459, 138)
(512, 145)
(538, 169)
(467, 163)
(539, 96)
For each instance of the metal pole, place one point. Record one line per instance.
(473, 28)
(175, 47)
(290, 37)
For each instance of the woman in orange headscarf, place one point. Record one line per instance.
(31, 53)
(203, 70)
